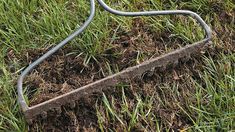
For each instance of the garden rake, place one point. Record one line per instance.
(172, 58)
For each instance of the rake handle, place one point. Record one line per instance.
(118, 76)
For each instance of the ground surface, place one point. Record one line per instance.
(196, 95)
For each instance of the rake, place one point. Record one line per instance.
(41, 110)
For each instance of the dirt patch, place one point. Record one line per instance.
(170, 90)
(64, 72)
(165, 102)
(84, 116)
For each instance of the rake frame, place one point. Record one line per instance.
(40, 110)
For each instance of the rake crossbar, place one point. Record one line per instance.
(41, 109)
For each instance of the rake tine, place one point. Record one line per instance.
(69, 99)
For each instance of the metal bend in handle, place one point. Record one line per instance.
(165, 12)
(21, 99)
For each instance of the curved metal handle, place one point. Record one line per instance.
(21, 99)
(165, 12)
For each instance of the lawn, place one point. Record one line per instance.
(198, 95)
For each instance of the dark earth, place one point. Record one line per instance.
(64, 72)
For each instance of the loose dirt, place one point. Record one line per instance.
(66, 71)
(84, 117)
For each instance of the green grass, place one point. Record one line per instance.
(38, 24)
(210, 107)
(219, 90)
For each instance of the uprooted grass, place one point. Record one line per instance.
(33, 24)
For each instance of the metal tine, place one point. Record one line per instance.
(109, 81)
(159, 62)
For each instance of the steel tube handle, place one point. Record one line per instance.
(21, 99)
(164, 12)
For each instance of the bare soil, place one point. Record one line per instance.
(84, 117)
(64, 72)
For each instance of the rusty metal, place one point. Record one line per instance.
(172, 58)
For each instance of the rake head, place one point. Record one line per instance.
(69, 99)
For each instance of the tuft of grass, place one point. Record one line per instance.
(10, 117)
(209, 105)
(216, 95)
(127, 113)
